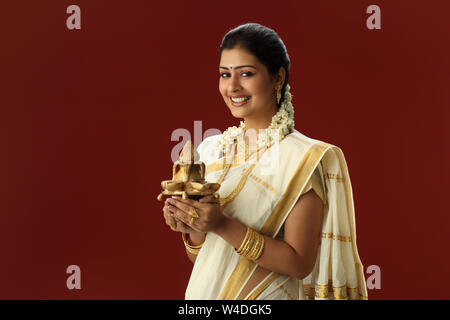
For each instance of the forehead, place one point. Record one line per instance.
(237, 56)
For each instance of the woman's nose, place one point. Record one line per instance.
(235, 84)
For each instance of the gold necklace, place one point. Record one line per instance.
(226, 168)
(237, 189)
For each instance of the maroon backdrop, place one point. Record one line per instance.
(87, 116)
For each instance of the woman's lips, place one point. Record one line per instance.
(238, 104)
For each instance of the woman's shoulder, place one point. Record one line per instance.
(297, 140)
(209, 142)
(208, 149)
(296, 143)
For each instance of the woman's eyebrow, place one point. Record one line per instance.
(238, 67)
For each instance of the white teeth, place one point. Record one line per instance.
(240, 99)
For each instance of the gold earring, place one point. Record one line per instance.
(278, 95)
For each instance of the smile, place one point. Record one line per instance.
(239, 101)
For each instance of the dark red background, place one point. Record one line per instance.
(87, 116)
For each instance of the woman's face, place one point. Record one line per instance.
(243, 76)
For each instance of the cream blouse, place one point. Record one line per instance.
(317, 184)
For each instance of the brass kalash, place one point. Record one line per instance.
(188, 178)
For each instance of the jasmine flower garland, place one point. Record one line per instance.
(281, 125)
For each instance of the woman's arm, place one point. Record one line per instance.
(294, 256)
(195, 238)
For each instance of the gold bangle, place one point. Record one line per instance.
(252, 246)
(189, 247)
(247, 243)
(259, 248)
(244, 242)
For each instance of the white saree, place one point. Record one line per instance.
(260, 194)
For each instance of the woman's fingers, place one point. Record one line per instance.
(175, 224)
(179, 214)
(188, 220)
(186, 202)
(209, 199)
(170, 220)
(200, 216)
(185, 206)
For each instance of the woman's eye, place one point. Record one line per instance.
(244, 74)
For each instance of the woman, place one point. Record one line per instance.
(283, 227)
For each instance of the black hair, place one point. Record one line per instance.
(262, 42)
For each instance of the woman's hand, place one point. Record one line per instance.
(174, 223)
(202, 216)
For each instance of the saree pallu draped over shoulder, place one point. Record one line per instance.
(260, 193)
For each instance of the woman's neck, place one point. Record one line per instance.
(254, 126)
(261, 123)
(257, 125)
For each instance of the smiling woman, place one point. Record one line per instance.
(247, 82)
(284, 225)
